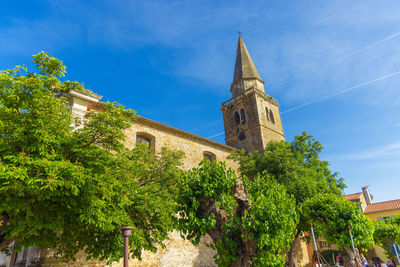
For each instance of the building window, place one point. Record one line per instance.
(271, 116)
(141, 139)
(242, 116)
(209, 156)
(145, 139)
(267, 112)
(237, 118)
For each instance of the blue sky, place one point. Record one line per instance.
(173, 62)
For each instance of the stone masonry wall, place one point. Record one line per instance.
(193, 146)
(178, 253)
(257, 131)
(270, 131)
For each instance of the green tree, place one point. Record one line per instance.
(331, 216)
(71, 190)
(387, 232)
(251, 222)
(298, 168)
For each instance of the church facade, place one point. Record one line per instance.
(251, 119)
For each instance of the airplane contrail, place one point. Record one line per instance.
(366, 47)
(316, 68)
(215, 135)
(343, 91)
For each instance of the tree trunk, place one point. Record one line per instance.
(248, 248)
(242, 261)
(351, 260)
(244, 254)
(292, 254)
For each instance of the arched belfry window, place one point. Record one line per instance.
(271, 116)
(242, 116)
(209, 156)
(145, 139)
(237, 118)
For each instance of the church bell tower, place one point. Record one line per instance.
(251, 117)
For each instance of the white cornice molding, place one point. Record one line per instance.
(91, 97)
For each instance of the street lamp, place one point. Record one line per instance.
(126, 232)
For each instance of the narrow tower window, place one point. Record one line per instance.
(267, 112)
(271, 116)
(242, 116)
(237, 118)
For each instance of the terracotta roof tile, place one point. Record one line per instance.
(383, 206)
(353, 197)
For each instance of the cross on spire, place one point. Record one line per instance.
(240, 33)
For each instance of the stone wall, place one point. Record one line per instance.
(192, 145)
(178, 252)
(270, 131)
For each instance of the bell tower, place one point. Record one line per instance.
(251, 117)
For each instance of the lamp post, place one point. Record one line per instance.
(126, 232)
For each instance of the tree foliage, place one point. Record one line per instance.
(387, 232)
(250, 221)
(298, 168)
(70, 189)
(331, 216)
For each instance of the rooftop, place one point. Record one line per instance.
(244, 67)
(353, 197)
(383, 206)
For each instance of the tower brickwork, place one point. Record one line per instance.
(251, 117)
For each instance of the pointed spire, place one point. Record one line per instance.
(244, 67)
